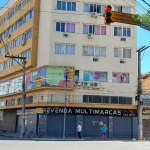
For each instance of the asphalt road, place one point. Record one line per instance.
(73, 145)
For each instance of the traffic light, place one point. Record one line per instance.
(71, 74)
(67, 102)
(108, 15)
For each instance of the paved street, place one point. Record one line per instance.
(73, 145)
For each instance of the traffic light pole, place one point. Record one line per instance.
(23, 92)
(139, 93)
(66, 79)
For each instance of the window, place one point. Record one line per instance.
(122, 52)
(3, 35)
(2, 51)
(94, 8)
(10, 30)
(65, 27)
(1, 67)
(95, 99)
(122, 9)
(114, 100)
(28, 35)
(68, 6)
(65, 49)
(18, 41)
(27, 1)
(20, 5)
(29, 16)
(12, 13)
(19, 23)
(94, 51)
(27, 54)
(94, 29)
(4, 20)
(8, 64)
(9, 47)
(16, 60)
(119, 31)
(125, 100)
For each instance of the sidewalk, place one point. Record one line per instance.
(16, 136)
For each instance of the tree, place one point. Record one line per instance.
(143, 17)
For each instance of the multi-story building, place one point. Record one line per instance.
(59, 35)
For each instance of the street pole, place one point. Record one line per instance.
(139, 93)
(23, 91)
(140, 126)
(23, 100)
(66, 79)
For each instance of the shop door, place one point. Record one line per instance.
(30, 123)
(146, 128)
(91, 125)
(55, 125)
(122, 127)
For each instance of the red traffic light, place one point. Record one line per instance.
(108, 8)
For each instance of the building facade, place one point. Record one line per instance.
(146, 105)
(56, 36)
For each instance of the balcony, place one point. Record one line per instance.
(58, 100)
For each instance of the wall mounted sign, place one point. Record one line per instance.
(89, 111)
(146, 111)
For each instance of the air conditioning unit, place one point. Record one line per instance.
(90, 36)
(23, 43)
(94, 14)
(65, 34)
(86, 84)
(9, 36)
(122, 61)
(78, 83)
(95, 59)
(96, 85)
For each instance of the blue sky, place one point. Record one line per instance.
(143, 39)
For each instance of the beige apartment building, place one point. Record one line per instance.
(57, 35)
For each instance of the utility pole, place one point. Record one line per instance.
(23, 92)
(66, 80)
(139, 93)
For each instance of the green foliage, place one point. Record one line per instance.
(143, 17)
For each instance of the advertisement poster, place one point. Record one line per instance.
(95, 76)
(38, 78)
(18, 84)
(11, 86)
(28, 81)
(56, 77)
(120, 77)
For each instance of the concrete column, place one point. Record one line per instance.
(135, 127)
(110, 132)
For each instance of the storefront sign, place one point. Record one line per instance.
(146, 112)
(89, 111)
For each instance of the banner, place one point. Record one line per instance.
(48, 77)
(56, 77)
(38, 78)
(120, 77)
(95, 76)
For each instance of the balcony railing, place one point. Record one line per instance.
(60, 98)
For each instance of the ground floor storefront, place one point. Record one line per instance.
(146, 123)
(121, 123)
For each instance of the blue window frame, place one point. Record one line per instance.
(68, 6)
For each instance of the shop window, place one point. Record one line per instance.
(125, 100)
(114, 100)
